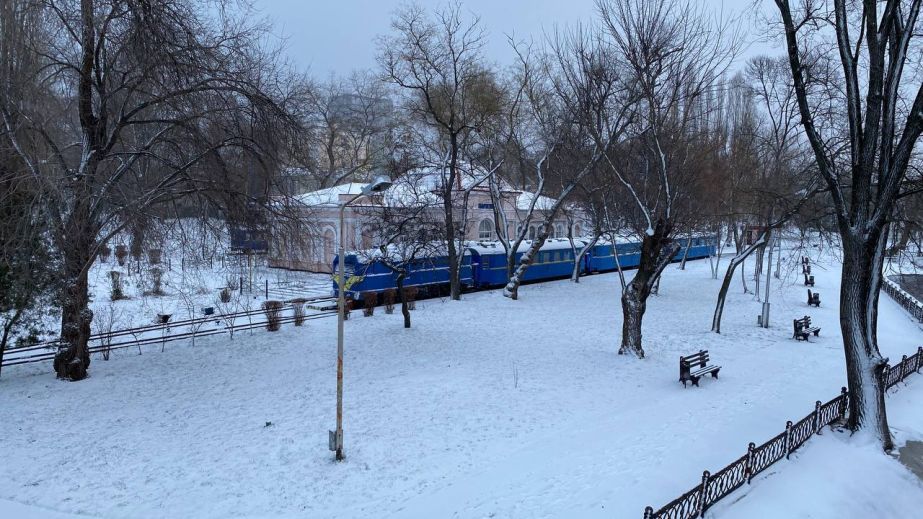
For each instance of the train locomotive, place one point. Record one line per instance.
(483, 264)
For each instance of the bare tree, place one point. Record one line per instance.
(770, 174)
(575, 108)
(862, 152)
(436, 60)
(349, 129)
(674, 57)
(145, 94)
(408, 236)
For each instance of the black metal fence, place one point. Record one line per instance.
(903, 298)
(758, 458)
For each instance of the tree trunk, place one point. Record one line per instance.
(511, 290)
(634, 304)
(7, 328)
(578, 258)
(657, 250)
(682, 265)
(865, 368)
(450, 230)
(73, 359)
(405, 311)
(726, 285)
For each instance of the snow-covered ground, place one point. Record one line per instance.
(836, 476)
(485, 408)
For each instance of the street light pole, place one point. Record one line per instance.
(378, 185)
(337, 443)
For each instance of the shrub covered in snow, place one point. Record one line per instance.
(273, 311)
(388, 297)
(369, 301)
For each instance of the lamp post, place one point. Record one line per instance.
(376, 186)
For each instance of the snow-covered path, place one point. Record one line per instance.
(486, 407)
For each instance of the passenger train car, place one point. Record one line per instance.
(484, 264)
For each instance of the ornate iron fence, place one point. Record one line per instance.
(714, 487)
(903, 298)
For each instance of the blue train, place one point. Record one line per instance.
(484, 264)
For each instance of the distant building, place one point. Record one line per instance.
(314, 246)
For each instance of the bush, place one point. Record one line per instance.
(273, 311)
(369, 301)
(104, 252)
(225, 295)
(298, 307)
(232, 282)
(410, 296)
(154, 255)
(121, 254)
(389, 296)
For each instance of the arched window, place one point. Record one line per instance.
(577, 230)
(485, 230)
(532, 232)
(559, 230)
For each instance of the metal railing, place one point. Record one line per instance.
(168, 332)
(903, 298)
(758, 458)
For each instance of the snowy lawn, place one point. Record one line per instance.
(486, 407)
(837, 476)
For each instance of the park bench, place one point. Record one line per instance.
(806, 269)
(808, 280)
(695, 366)
(813, 298)
(805, 260)
(803, 329)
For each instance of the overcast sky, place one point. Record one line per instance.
(338, 36)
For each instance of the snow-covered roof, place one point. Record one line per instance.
(397, 252)
(496, 247)
(542, 204)
(330, 195)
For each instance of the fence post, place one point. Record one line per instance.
(788, 438)
(919, 358)
(267, 288)
(817, 424)
(749, 469)
(703, 493)
(903, 366)
(648, 512)
(844, 401)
